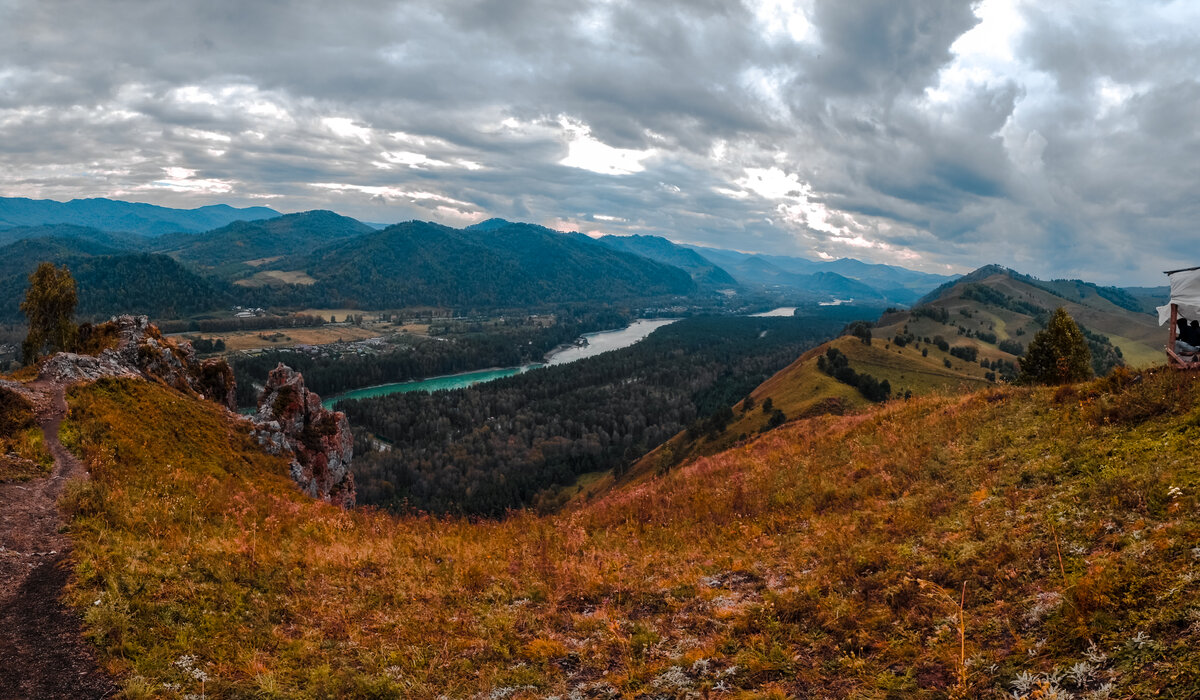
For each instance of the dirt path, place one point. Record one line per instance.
(42, 654)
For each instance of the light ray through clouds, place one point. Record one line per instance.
(1057, 138)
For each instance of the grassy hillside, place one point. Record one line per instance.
(802, 390)
(947, 546)
(23, 453)
(1010, 311)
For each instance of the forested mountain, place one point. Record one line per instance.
(703, 271)
(242, 241)
(114, 215)
(69, 234)
(418, 263)
(109, 281)
(497, 445)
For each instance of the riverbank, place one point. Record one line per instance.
(588, 345)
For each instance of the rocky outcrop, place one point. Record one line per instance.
(140, 350)
(291, 419)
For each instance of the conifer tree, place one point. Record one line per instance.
(50, 307)
(1058, 354)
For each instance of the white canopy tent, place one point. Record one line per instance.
(1185, 295)
(1184, 302)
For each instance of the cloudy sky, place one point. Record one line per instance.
(1061, 139)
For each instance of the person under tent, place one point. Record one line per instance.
(1186, 342)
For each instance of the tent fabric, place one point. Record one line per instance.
(1185, 293)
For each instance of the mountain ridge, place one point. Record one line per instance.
(118, 215)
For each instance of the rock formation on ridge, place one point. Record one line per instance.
(291, 418)
(130, 346)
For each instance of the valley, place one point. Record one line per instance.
(678, 481)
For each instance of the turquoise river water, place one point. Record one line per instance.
(597, 343)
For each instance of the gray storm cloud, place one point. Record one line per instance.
(1056, 138)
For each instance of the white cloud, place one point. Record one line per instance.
(784, 18)
(588, 153)
(184, 180)
(344, 127)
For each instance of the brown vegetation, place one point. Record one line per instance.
(828, 558)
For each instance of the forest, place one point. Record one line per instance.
(496, 446)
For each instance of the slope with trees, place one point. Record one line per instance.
(110, 282)
(497, 445)
(290, 235)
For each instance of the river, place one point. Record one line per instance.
(594, 344)
(788, 311)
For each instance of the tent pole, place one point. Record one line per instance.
(1174, 329)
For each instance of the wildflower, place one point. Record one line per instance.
(1174, 492)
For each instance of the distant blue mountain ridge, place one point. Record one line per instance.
(259, 247)
(129, 217)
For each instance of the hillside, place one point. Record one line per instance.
(966, 334)
(832, 554)
(657, 248)
(115, 215)
(109, 281)
(244, 246)
(1012, 306)
(513, 265)
(802, 390)
(113, 240)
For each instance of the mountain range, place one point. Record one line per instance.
(116, 215)
(219, 254)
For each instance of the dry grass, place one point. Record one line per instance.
(825, 559)
(801, 390)
(266, 278)
(23, 453)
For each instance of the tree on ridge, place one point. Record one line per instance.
(50, 307)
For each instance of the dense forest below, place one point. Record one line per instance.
(460, 348)
(496, 446)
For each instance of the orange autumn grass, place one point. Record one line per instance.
(813, 562)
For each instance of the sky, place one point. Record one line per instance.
(1061, 139)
